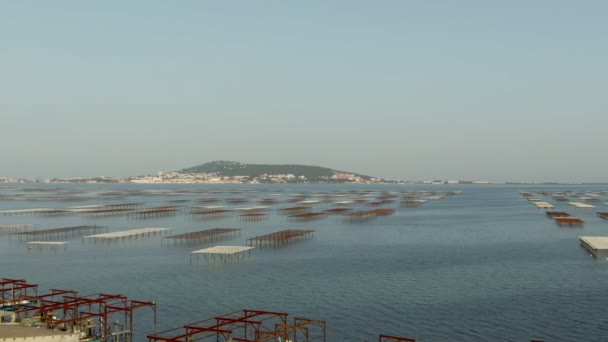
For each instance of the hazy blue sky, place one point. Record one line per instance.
(494, 90)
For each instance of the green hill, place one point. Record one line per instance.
(230, 168)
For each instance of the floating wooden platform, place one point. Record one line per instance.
(595, 244)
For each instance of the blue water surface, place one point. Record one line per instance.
(484, 265)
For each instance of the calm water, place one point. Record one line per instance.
(485, 265)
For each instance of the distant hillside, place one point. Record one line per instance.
(229, 168)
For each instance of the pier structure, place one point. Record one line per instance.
(255, 209)
(253, 216)
(389, 338)
(55, 212)
(595, 244)
(202, 208)
(54, 233)
(554, 214)
(156, 211)
(15, 227)
(268, 201)
(280, 238)
(237, 200)
(129, 205)
(603, 215)
(569, 221)
(106, 212)
(178, 201)
(211, 214)
(105, 209)
(294, 210)
(307, 216)
(205, 235)
(52, 245)
(412, 203)
(581, 205)
(308, 203)
(126, 234)
(247, 325)
(337, 211)
(380, 202)
(208, 200)
(223, 253)
(358, 216)
(543, 205)
(383, 211)
(343, 203)
(24, 211)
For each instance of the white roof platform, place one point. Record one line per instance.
(51, 244)
(127, 233)
(544, 205)
(15, 227)
(225, 253)
(595, 244)
(581, 205)
(223, 250)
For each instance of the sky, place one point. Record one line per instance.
(413, 90)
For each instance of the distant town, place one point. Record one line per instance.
(212, 178)
(230, 172)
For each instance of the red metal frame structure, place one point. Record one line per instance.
(75, 313)
(304, 325)
(387, 338)
(13, 291)
(246, 326)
